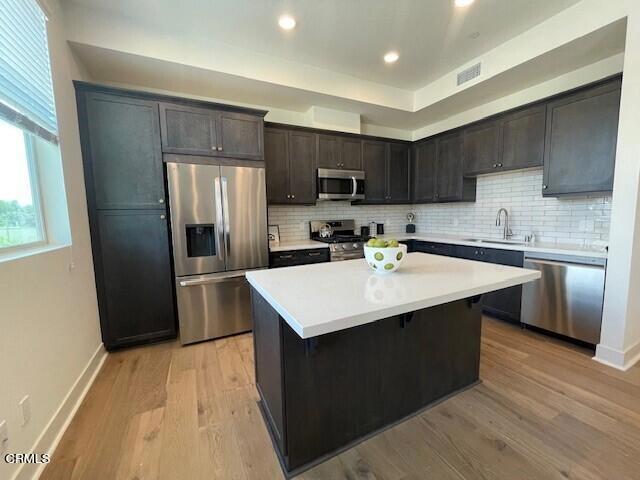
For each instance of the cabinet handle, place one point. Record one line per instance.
(544, 187)
(500, 165)
(214, 148)
(161, 200)
(162, 217)
(495, 165)
(476, 252)
(286, 256)
(293, 196)
(288, 196)
(219, 149)
(314, 254)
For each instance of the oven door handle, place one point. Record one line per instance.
(354, 183)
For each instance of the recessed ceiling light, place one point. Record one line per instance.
(463, 3)
(287, 22)
(391, 57)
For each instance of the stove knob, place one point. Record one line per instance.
(355, 245)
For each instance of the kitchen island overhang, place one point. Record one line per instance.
(342, 353)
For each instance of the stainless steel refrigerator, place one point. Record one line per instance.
(219, 231)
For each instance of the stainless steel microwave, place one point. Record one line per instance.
(340, 184)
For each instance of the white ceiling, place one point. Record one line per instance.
(133, 70)
(345, 36)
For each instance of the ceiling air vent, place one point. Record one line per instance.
(469, 74)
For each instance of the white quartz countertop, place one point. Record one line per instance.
(297, 245)
(328, 297)
(539, 247)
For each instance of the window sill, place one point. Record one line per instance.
(29, 251)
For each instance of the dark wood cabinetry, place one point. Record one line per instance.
(386, 167)
(203, 131)
(522, 138)
(290, 158)
(115, 180)
(438, 171)
(434, 248)
(509, 142)
(135, 285)
(291, 258)
(335, 151)
(123, 136)
(482, 147)
(503, 303)
(129, 231)
(580, 142)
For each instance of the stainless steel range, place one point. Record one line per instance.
(343, 242)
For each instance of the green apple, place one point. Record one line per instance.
(393, 243)
(380, 244)
(371, 242)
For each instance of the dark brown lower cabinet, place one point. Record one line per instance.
(134, 281)
(290, 258)
(505, 303)
(321, 394)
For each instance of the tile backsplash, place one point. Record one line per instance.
(580, 221)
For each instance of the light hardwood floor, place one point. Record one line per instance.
(545, 410)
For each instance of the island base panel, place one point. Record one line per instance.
(321, 394)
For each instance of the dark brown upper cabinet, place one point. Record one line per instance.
(374, 161)
(509, 142)
(452, 186)
(386, 167)
(580, 141)
(482, 148)
(522, 138)
(240, 135)
(290, 166)
(123, 161)
(398, 173)
(437, 171)
(339, 152)
(424, 172)
(202, 131)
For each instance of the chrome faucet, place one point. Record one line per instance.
(507, 233)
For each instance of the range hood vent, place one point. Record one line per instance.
(469, 74)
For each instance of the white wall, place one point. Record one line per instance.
(620, 341)
(48, 312)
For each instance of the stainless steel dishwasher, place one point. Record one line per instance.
(568, 298)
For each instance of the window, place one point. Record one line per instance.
(27, 116)
(20, 219)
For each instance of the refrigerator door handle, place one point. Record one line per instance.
(225, 212)
(219, 215)
(214, 278)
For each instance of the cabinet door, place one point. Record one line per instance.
(188, 130)
(240, 135)
(302, 167)
(523, 138)
(503, 303)
(374, 161)
(123, 157)
(135, 284)
(351, 154)
(450, 158)
(328, 151)
(398, 173)
(276, 157)
(425, 171)
(580, 147)
(481, 148)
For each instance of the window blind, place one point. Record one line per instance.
(25, 72)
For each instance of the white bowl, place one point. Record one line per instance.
(385, 260)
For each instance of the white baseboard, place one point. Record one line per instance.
(622, 360)
(53, 432)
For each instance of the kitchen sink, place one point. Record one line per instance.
(488, 240)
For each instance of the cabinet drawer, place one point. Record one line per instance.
(298, 257)
(434, 248)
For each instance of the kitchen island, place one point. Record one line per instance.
(342, 353)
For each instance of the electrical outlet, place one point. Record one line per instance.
(4, 436)
(25, 405)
